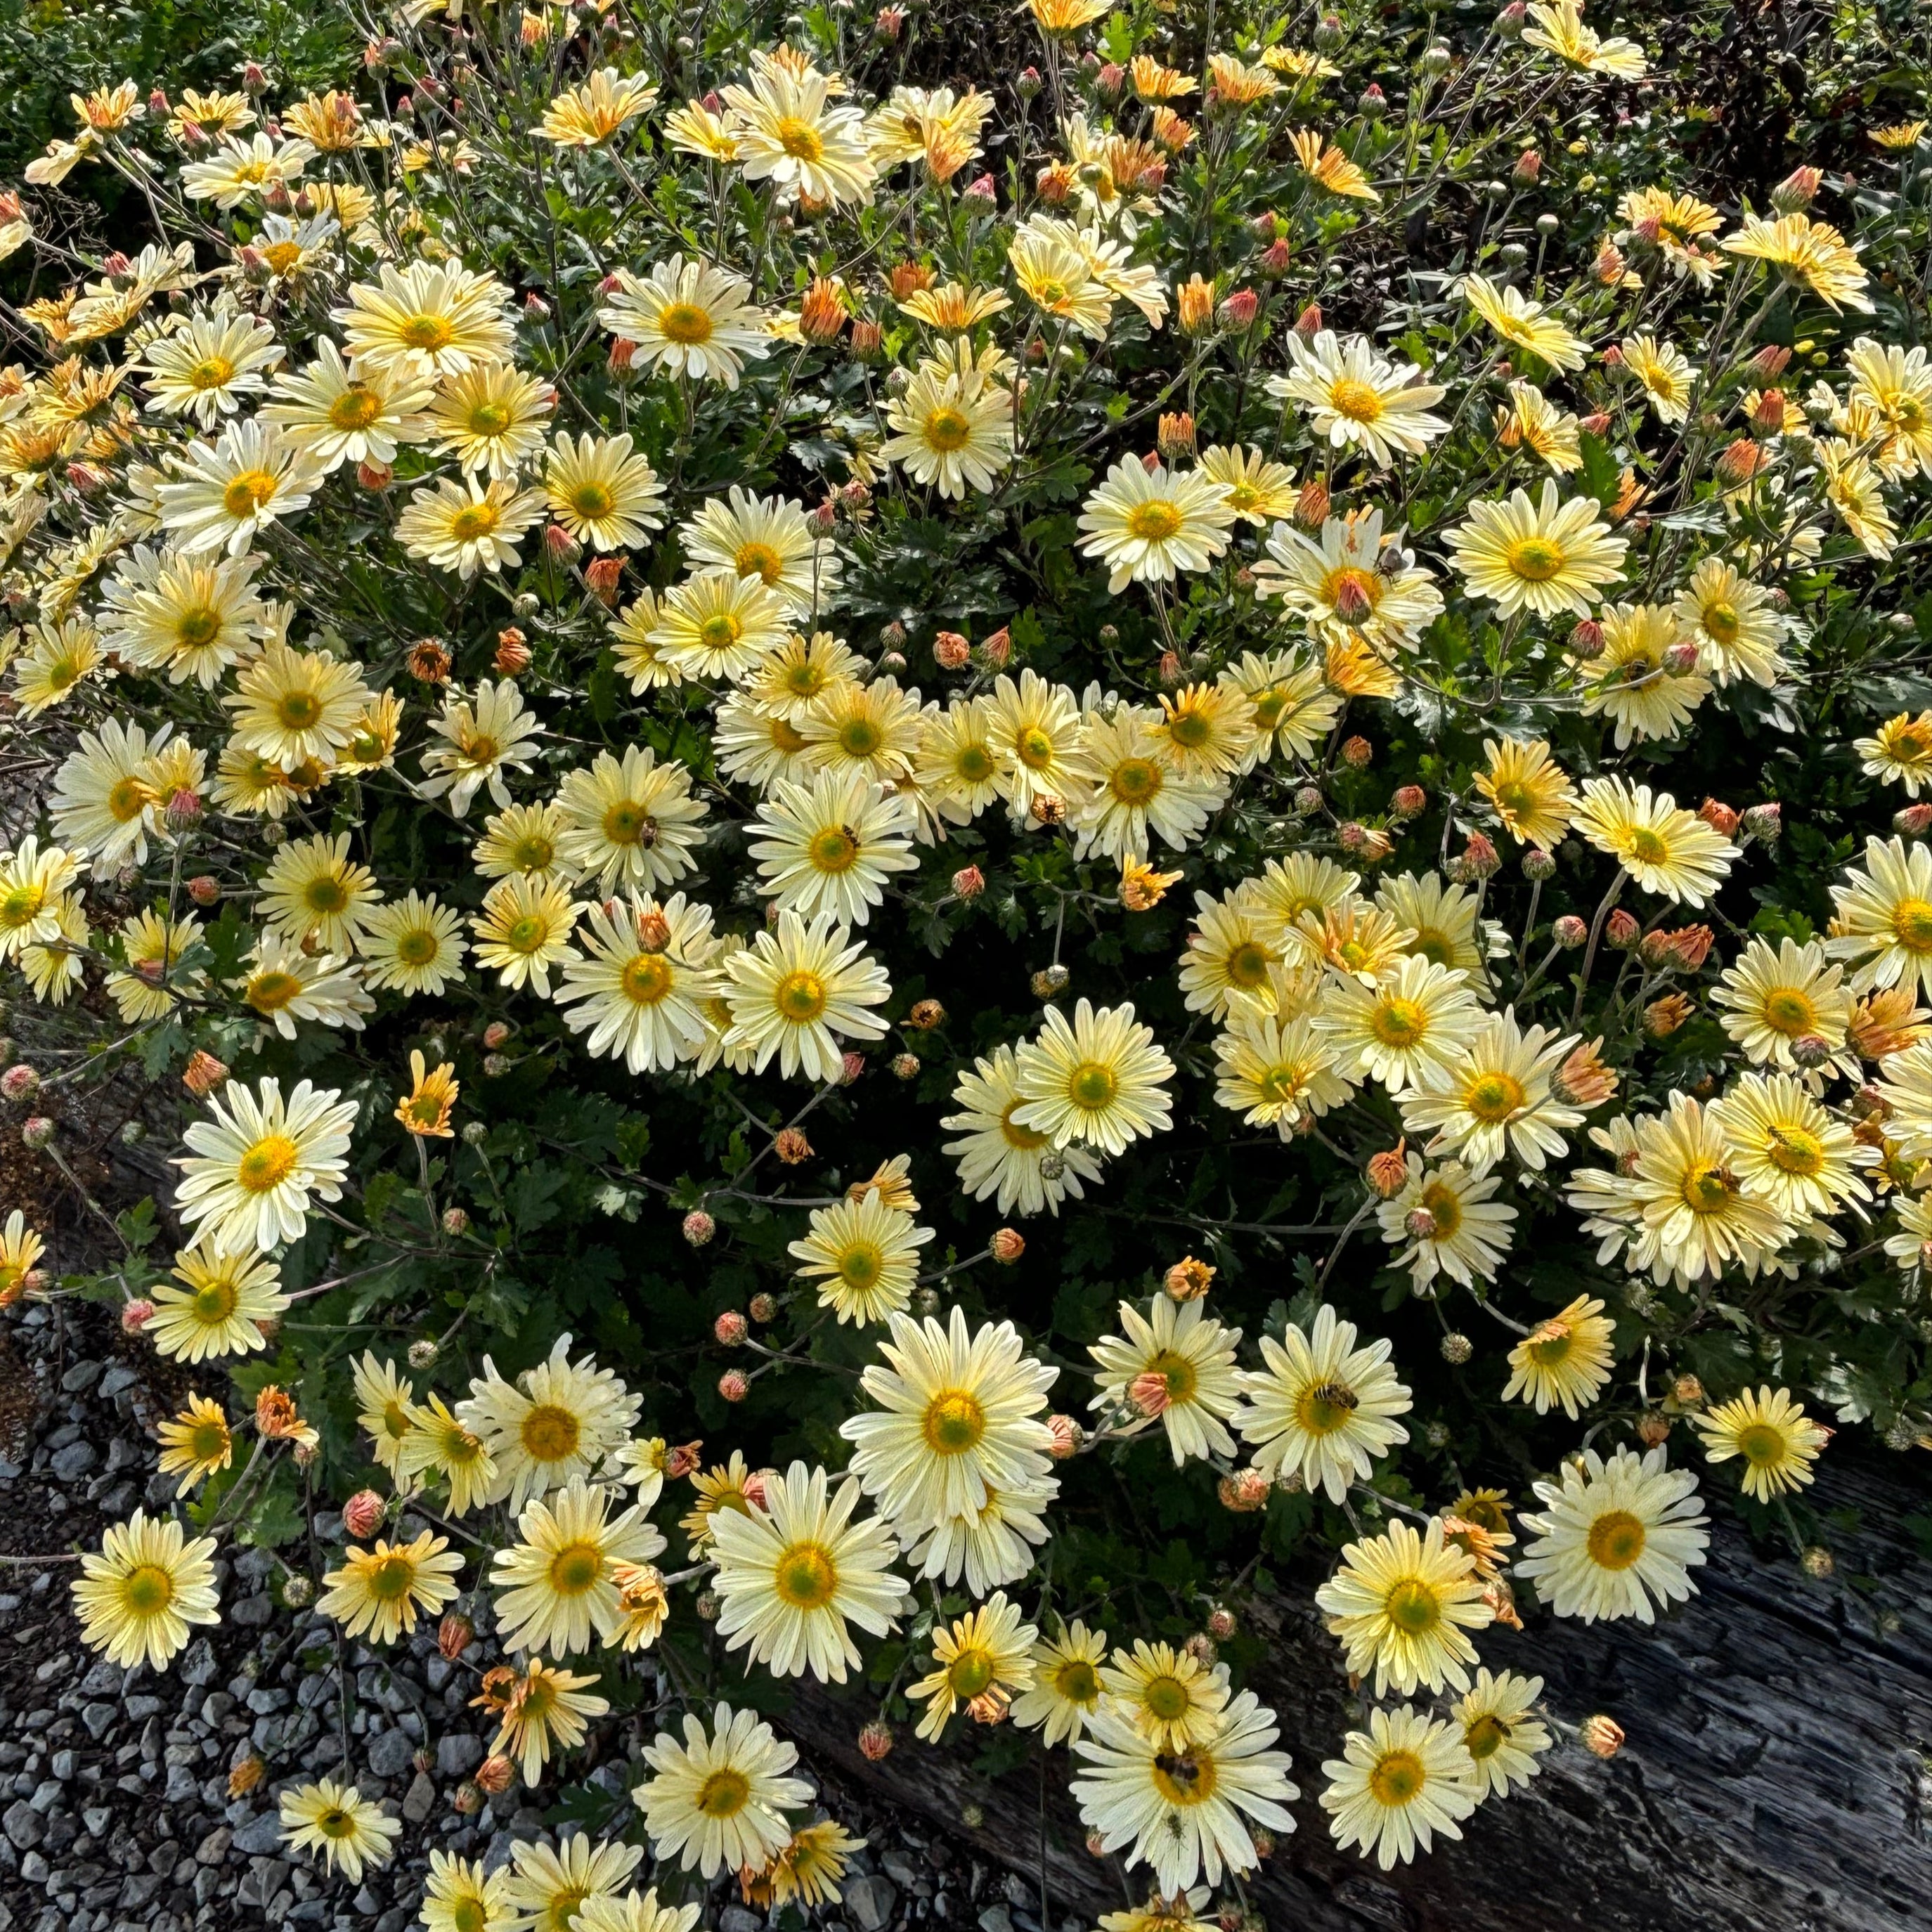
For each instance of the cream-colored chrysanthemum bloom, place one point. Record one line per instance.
(864, 1256)
(1770, 999)
(105, 802)
(1449, 1224)
(138, 1594)
(229, 491)
(789, 131)
(1900, 751)
(429, 320)
(1259, 490)
(1347, 585)
(491, 418)
(1275, 1072)
(1770, 1433)
(1698, 1217)
(57, 661)
(438, 1444)
(1147, 525)
(1190, 1815)
(1501, 1732)
(1406, 1781)
(632, 821)
(466, 527)
(832, 845)
(1066, 1691)
(1630, 680)
(1292, 709)
(351, 1832)
(979, 1660)
(1524, 324)
(1545, 556)
(250, 1170)
(460, 1896)
(1059, 277)
(190, 617)
(557, 1423)
(1443, 924)
(557, 1890)
(338, 414)
(952, 431)
(1785, 1147)
(1664, 848)
(1732, 622)
(284, 984)
(208, 365)
(1882, 923)
(796, 991)
(291, 705)
(1402, 1604)
(604, 490)
(1320, 1408)
(246, 170)
(1410, 1025)
(1683, 223)
(1172, 1698)
(412, 944)
(716, 1801)
(1532, 422)
(638, 994)
(379, 1594)
(716, 625)
(313, 888)
(558, 1583)
(1812, 254)
(688, 319)
(1173, 1366)
(1663, 372)
(769, 538)
(1494, 1098)
(587, 115)
(1564, 1359)
(1614, 1535)
(196, 1442)
(481, 738)
(1100, 1080)
(792, 1572)
(1356, 400)
(1232, 952)
(1001, 1157)
(221, 1308)
(960, 1413)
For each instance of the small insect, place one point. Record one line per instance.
(1338, 1395)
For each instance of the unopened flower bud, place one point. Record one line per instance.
(204, 890)
(37, 1134)
(792, 1147)
(1238, 310)
(733, 1385)
(951, 651)
(1408, 801)
(969, 882)
(1586, 641)
(1456, 1349)
(135, 1314)
(1388, 1172)
(1008, 1244)
(513, 651)
(1620, 930)
(1243, 1492)
(1718, 816)
(1308, 323)
(1175, 435)
(875, 1740)
(362, 1514)
(1770, 362)
(1817, 1561)
(1357, 752)
(1569, 932)
(494, 1774)
(1798, 190)
(730, 1328)
(1739, 463)
(1680, 660)
(1538, 865)
(455, 1222)
(850, 1066)
(1352, 837)
(19, 1083)
(424, 1353)
(375, 477)
(1600, 1736)
(1480, 859)
(1764, 822)
(203, 1074)
(698, 1227)
(905, 1066)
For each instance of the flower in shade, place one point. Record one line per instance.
(221, 1308)
(568, 1888)
(250, 1170)
(978, 1661)
(716, 1801)
(1770, 1434)
(557, 1422)
(1066, 1691)
(1170, 1695)
(864, 1256)
(1406, 1781)
(351, 1832)
(460, 1896)
(1613, 1536)
(1501, 1731)
(557, 1584)
(437, 1443)
(196, 1443)
(137, 1595)
(1402, 1606)
(1564, 1359)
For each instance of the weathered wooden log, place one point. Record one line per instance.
(1777, 1773)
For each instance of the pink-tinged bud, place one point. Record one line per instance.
(1596, 424)
(375, 477)
(1620, 930)
(875, 1740)
(494, 1775)
(253, 264)
(793, 1150)
(756, 1487)
(1372, 102)
(535, 309)
(1586, 641)
(983, 189)
(1308, 323)
(1915, 820)
(19, 1083)
(203, 1074)
(1538, 865)
(1388, 1172)
(1767, 418)
(362, 1514)
(1770, 362)
(969, 882)
(1601, 1736)
(621, 353)
(513, 652)
(1810, 1051)
(204, 890)
(1222, 1623)
(1610, 266)
(1680, 660)
(184, 809)
(697, 1228)
(850, 1066)
(1409, 801)
(254, 80)
(603, 574)
(609, 285)
(1613, 357)
(1352, 836)
(1275, 260)
(733, 1385)
(561, 545)
(1480, 859)
(1764, 822)
(1027, 83)
(455, 1222)
(1420, 1224)
(905, 1066)
(1569, 932)
(1357, 753)
(1528, 169)
(1169, 668)
(135, 1315)
(1174, 436)
(1690, 945)
(1067, 1437)
(467, 1799)
(763, 1307)
(1718, 816)
(1151, 462)
(37, 1134)
(1798, 190)
(1239, 309)
(1111, 79)
(1655, 950)
(1008, 1245)
(997, 646)
(951, 651)
(495, 1034)
(1739, 463)
(730, 1328)
(1245, 1491)
(1150, 1393)
(1509, 23)
(1352, 605)
(823, 518)
(1311, 504)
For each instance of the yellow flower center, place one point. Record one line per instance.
(1397, 1022)
(1190, 729)
(326, 895)
(1077, 1682)
(1154, 522)
(1358, 401)
(388, 1579)
(20, 905)
(489, 419)
(799, 139)
(1493, 1098)
(550, 1432)
(1136, 781)
(1615, 1540)
(970, 1672)
(575, 1568)
(1912, 925)
(1397, 1779)
(627, 822)
(1279, 1085)
(248, 493)
(759, 560)
(1761, 1445)
(1534, 559)
(267, 1164)
(647, 978)
(861, 1265)
(1909, 744)
(128, 799)
(948, 429)
(1325, 1408)
(806, 1577)
(834, 849)
(336, 1823)
(1789, 1011)
(1268, 708)
(197, 629)
(1248, 964)
(1034, 748)
(1649, 847)
(1444, 1209)
(148, 1590)
(474, 521)
(269, 992)
(1093, 1086)
(214, 1302)
(281, 256)
(1413, 1607)
(724, 1793)
(954, 1423)
(1722, 621)
(800, 998)
(427, 332)
(527, 935)
(1705, 1190)
(208, 1441)
(1186, 1780)
(1180, 1375)
(212, 372)
(1165, 1698)
(297, 710)
(356, 408)
(1794, 1150)
(1550, 1344)
(592, 500)
(974, 764)
(786, 736)
(1024, 1138)
(859, 738)
(685, 324)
